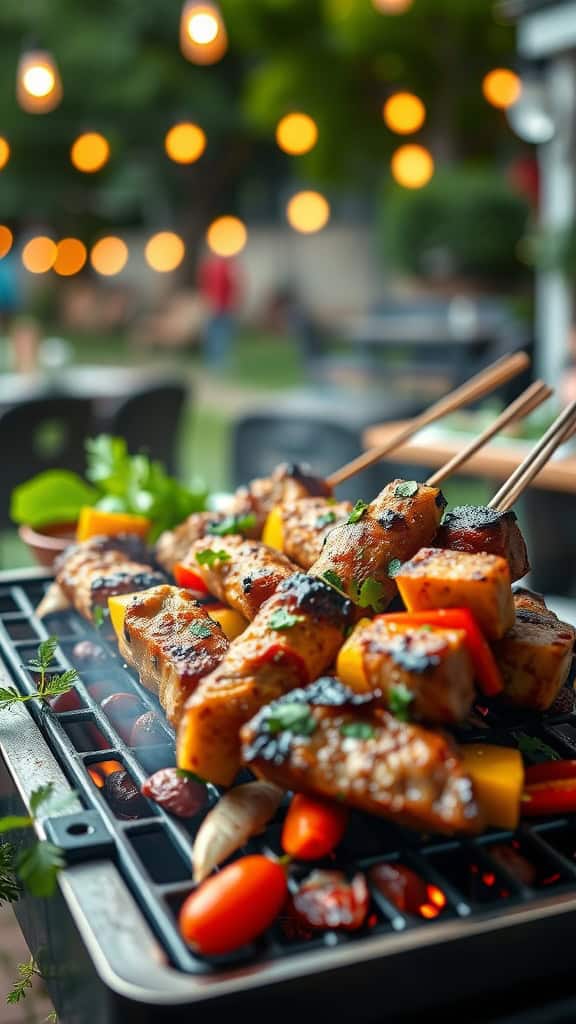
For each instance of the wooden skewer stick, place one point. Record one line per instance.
(561, 429)
(481, 384)
(529, 400)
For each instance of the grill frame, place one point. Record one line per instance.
(126, 968)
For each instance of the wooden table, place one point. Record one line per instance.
(494, 461)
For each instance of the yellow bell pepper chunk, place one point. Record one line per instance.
(350, 662)
(498, 777)
(273, 532)
(117, 607)
(232, 622)
(92, 522)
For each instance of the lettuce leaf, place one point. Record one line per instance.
(55, 496)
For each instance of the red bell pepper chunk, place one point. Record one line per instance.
(555, 797)
(550, 771)
(485, 668)
(189, 578)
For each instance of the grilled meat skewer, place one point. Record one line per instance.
(293, 639)
(300, 527)
(241, 573)
(477, 528)
(172, 642)
(91, 572)
(331, 742)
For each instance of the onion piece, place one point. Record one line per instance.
(239, 814)
(54, 600)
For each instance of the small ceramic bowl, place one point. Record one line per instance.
(47, 542)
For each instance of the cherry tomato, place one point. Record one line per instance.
(233, 907)
(182, 797)
(313, 827)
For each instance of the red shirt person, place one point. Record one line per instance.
(219, 287)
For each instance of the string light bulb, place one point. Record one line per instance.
(164, 251)
(296, 133)
(38, 83)
(109, 256)
(90, 152)
(6, 240)
(39, 254)
(185, 142)
(392, 6)
(71, 255)
(203, 36)
(404, 113)
(4, 152)
(226, 236)
(412, 166)
(308, 212)
(502, 88)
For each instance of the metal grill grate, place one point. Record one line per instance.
(152, 850)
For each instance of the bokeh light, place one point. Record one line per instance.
(89, 152)
(412, 166)
(4, 152)
(296, 133)
(38, 85)
(227, 236)
(185, 142)
(6, 240)
(164, 251)
(392, 6)
(203, 37)
(501, 87)
(71, 255)
(109, 256)
(308, 212)
(404, 113)
(39, 254)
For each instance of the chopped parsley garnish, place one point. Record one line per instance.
(209, 557)
(232, 524)
(407, 489)
(98, 616)
(183, 773)
(399, 701)
(370, 594)
(357, 730)
(357, 512)
(532, 747)
(200, 630)
(282, 619)
(333, 580)
(394, 567)
(291, 717)
(325, 519)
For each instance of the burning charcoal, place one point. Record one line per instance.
(124, 797)
(407, 891)
(328, 900)
(177, 794)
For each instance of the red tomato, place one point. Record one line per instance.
(313, 827)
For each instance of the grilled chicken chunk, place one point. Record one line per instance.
(306, 523)
(427, 672)
(91, 572)
(535, 655)
(172, 642)
(294, 637)
(329, 741)
(477, 528)
(360, 557)
(437, 578)
(249, 507)
(244, 576)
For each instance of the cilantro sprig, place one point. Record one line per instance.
(232, 524)
(357, 512)
(325, 519)
(200, 630)
(209, 557)
(358, 730)
(48, 687)
(291, 717)
(283, 619)
(369, 594)
(407, 489)
(399, 701)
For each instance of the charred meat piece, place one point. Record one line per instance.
(91, 572)
(172, 643)
(245, 574)
(326, 899)
(439, 578)
(477, 528)
(535, 655)
(360, 557)
(306, 523)
(427, 672)
(249, 507)
(327, 740)
(293, 639)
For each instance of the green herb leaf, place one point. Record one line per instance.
(40, 796)
(536, 749)
(14, 822)
(232, 524)
(9, 696)
(200, 630)
(55, 496)
(209, 557)
(399, 701)
(357, 730)
(45, 654)
(394, 567)
(38, 867)
(23, 984)
(291, 717)
(182, 773)
(407, 489)
(98, 616)
(370, 594)
(325, 519)
(357, 512)
(282, 619)
(333, 580)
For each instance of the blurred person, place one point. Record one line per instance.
(219, 287)
(24, 338)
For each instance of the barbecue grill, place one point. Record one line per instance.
(108, 942)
